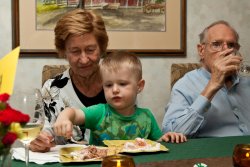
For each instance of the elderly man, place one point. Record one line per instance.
(212, 101)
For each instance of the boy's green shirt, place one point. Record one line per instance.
(106, 124)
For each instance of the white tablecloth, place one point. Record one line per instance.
(40, 158)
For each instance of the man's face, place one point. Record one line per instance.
(218, 33)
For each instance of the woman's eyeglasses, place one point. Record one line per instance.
(218, 45)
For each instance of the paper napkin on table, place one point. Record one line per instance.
(41, 158)
(8, 66)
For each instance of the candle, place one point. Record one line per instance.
(118, 161)
(241, 155)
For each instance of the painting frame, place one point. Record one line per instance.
(38, 52)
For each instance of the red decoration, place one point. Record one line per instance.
(9, 115)
(9, 138)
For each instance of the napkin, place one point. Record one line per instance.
(8, 66)
(41, 158)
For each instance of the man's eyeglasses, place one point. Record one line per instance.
(218, 45)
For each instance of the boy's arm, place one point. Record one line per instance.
(65, 121)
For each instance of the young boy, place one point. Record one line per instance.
(120, 118)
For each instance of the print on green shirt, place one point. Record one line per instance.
(106, 124)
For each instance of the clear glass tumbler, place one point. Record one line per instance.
(244, 70)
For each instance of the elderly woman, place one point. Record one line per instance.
(80, 37)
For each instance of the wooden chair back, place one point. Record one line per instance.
(50, 71)
(180, 69)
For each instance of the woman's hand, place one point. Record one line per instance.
(173, 137)
(42, 143)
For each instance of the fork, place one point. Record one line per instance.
(72, 140)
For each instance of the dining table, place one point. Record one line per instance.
(214, 152)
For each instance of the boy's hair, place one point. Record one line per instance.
(114, 60)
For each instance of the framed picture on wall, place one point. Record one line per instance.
(146, 27)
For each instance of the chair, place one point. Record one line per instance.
(178, 70)
(50, 71)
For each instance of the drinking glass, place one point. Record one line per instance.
(118, 161)
(241, 155)
(244, 70)
(29, 101)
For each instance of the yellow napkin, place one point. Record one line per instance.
(8, 66)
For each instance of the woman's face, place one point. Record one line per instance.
(83, 54)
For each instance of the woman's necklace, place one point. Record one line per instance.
(90, 86)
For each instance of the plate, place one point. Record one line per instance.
(118, 146)
(65, 154)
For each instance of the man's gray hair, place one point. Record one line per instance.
(203, 34)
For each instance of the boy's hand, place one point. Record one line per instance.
(174, 137)
(63, 128)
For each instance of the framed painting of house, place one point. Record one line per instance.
(147, 27)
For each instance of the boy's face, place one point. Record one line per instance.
(121, 88)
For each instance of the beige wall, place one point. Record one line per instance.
(156, 70)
